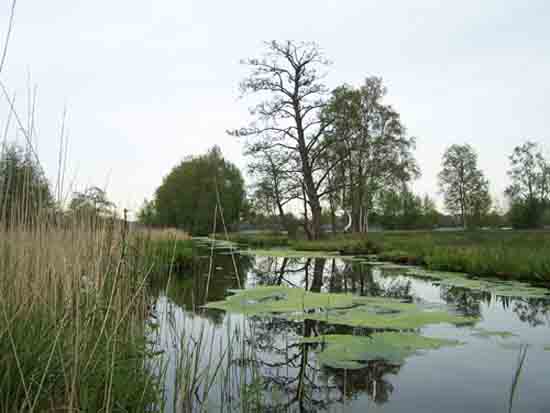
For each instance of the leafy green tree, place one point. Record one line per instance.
(464, 186)
(147, 214)
(92, 203)
(430, 215)
(188, 195)
(369, 145)
(24, 190)
(530, 187)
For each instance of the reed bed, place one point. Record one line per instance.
(74, 311)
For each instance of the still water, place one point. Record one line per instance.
(217, 361)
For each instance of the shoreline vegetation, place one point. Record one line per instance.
(508, 255)
(75, 331)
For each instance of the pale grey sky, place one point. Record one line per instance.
(147, 83)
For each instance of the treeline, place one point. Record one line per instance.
(27, 197)
(200, 195)
(343, 158)
(348, 152)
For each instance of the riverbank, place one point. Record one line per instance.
(521, 255)
(76, 330)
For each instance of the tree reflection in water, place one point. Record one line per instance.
(288, 367)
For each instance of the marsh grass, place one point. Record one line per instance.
(521, 255)
(73, 311)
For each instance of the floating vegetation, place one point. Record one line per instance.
(547, 348)
(342, 309)
(352, 352)
(483, 333)
(288, 253)
(433, 275)
(274, 299)
(496, 287)
(373, 316)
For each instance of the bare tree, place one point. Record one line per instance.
(288, 77)
(274, 182)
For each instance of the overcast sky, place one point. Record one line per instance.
(147, 83)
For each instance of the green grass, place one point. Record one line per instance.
(74, 311)
(512, 255)
(258, 240)
(521, 255)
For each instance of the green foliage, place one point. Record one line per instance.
(345, 245)
(259, 240)
(483, 333)
(464, 186)
(530, 187)
(505, 254)
(147, 214)
(187, 198)
(93, 202)
(24, 190)
(369, 140)
(341, 309)
(404, 210)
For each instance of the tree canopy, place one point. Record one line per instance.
(529, 190)
(465, 188)
(24, 190)
(188, 195)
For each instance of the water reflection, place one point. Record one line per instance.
(277, 372)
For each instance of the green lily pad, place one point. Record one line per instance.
(496, 287)
(482, 333)
(352, 352)
(342, 309)
(370, 316)
(274, 299)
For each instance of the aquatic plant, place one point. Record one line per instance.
(483, 333)
(343, 309)
(352, 352)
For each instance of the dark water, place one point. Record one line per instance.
(259, 366)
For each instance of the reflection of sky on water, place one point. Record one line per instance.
(473, 377)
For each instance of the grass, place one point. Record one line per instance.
(523, 255)
(74, 311)
(258, 240)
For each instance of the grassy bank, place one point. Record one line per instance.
(505, 254)
(74, 310)
(258, 240)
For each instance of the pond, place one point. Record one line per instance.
(365, 336)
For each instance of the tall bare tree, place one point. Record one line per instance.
(288, 78)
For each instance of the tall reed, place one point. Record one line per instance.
(73, 315)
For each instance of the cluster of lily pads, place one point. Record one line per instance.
(497, 287)
(379, 313)
(348, 351)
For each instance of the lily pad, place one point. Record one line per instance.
(408, 318)
(496, 287)
(342, 309)
(274, 299)
(482, 333)
(352, 352)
